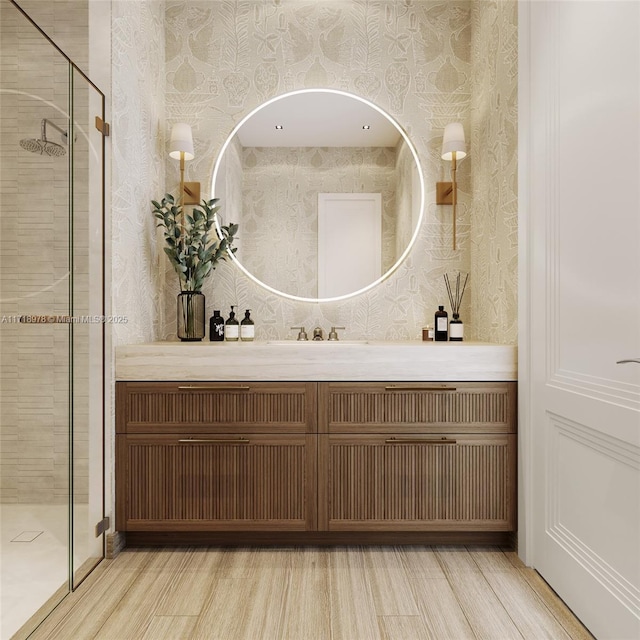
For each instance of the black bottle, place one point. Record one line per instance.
(231, 327)
(442, 325)
(216, 327)
(247, 329)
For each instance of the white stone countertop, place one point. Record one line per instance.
(317, 361)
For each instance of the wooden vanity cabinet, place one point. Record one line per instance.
(417, 457)
(215, 456)
(322, 459)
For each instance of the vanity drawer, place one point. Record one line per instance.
(216, 407)
(221, 482)
(404, 482)
(418, 407)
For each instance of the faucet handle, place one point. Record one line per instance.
(333, 334)
(302, 335)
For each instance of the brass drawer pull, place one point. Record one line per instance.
(193, 387)
(419, 441)
(393, 387)
(214, 440)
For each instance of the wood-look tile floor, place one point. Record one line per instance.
(311, 593)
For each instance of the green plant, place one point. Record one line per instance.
(193, 251)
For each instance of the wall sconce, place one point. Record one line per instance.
(453, 149)
(181, 148)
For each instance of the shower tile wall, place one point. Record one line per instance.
(34, 260)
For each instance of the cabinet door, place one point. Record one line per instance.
(418, 407)
(220, 482)
(210, 407)
(404, 482)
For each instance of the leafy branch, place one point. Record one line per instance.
(193, 251)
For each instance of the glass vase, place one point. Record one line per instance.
(191, 316)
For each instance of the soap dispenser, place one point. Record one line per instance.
(231, 327)
(216, 327)
(247, 328)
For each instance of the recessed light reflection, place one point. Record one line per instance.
(279, 127)
(366, 127)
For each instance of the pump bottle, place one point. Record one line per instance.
(231, 327)
(247, 328)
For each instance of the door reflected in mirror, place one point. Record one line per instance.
(281, 174)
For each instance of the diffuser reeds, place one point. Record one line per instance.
(455, 298)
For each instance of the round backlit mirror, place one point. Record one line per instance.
(328, 192)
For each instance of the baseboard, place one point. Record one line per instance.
(320, 538)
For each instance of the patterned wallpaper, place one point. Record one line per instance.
(411, 58)
(138, 151)
(494, 104)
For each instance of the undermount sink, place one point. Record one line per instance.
(296, 342)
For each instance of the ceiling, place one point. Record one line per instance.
(318, 119)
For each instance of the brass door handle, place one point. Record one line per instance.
(214, 441)
(393, 387)
(420, 441)
(194, 387)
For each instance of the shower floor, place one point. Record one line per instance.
(34, 559)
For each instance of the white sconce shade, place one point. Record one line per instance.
(453, 140)
(181, 141)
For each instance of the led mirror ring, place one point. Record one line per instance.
(416, 230)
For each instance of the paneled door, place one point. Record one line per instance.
(580, 154)
(349, 242)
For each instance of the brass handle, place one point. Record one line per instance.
(393, 387)
(214, 440)
(212, 388)
(419, 441)
(636, 360)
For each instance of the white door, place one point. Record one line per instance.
(580, 106)
(349, 242)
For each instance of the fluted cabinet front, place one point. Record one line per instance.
(417, 456)
(216, 456)
(222, 482)
(318, 457)
(402, 482)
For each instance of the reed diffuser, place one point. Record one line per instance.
(456, 327)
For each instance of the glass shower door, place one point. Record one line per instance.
(88, 327)
(51, 325)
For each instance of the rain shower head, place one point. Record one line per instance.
(43, 146)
